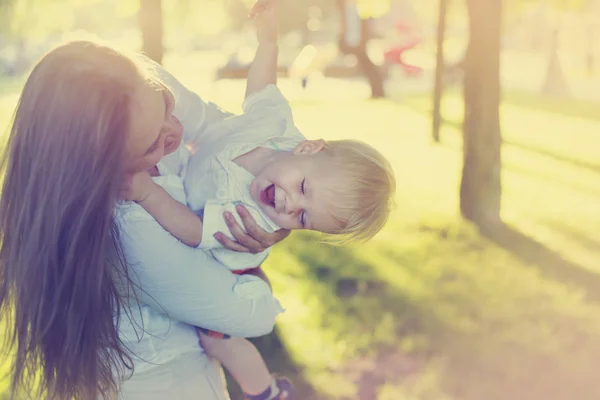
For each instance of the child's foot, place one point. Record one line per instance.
(281, 389)
(285, 387)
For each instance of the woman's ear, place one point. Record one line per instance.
(309, 147)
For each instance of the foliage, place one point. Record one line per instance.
(468, 317)
(294, 14)
(38, 18)
(556, 5)
(373, 8)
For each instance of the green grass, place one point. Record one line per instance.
(442, 312)
(431, 309)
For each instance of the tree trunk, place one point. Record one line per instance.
(367, 66)
(590, 54)
(556, 82)
(480, 188)
(439, 71)
(359, 50)
(151, 24)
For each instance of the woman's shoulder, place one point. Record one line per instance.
(176, 162)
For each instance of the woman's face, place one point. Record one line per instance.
(154, 130)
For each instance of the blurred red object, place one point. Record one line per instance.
(394, 55)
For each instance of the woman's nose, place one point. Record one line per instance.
(174, 134)
(174, 125)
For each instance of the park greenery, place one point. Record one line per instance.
(490, 292)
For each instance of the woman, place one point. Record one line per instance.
(100, 294)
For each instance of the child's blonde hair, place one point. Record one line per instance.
(364, 198)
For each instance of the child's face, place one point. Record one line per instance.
(295, 189)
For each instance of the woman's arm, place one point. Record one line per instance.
(188, 285)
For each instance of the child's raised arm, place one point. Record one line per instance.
(173, 216)
(263, 70)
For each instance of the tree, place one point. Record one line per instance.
(353, 40)
(480, 188)
(151, 25)
(439, 71)
(555, 83)
(18, 24)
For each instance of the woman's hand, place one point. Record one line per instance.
(137, 187)
(253, 239)
(264, 13)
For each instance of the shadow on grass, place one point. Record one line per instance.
(567, 107)
(558, 157)
(547, 153)
(573, 233)
(548, 262)
(279, 362)
(425, 110)
(454, 331)
(353, 304)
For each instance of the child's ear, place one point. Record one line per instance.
(309, 147)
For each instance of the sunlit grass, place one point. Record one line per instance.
(485, 323)
(430, 309)
(550, 165)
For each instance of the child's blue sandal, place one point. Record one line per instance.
(280, 389)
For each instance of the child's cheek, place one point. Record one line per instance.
(286, 221)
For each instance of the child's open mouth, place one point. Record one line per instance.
(267, 196)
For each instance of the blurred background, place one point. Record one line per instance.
(485, 284)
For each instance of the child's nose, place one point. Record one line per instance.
(294, 207)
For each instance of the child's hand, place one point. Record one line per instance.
(138, 187)
(264, 13)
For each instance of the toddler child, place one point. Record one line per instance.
(261, 160)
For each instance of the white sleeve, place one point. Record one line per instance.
(194, 113)
(188, 284)
(269, 100)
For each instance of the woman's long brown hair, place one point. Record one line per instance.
(60, 253)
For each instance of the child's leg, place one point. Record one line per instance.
(242, 360)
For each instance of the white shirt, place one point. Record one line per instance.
(181, 287)
(214, 183)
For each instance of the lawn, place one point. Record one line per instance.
(431, 309)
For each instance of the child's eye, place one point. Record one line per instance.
(302, 186)
(302, 218)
